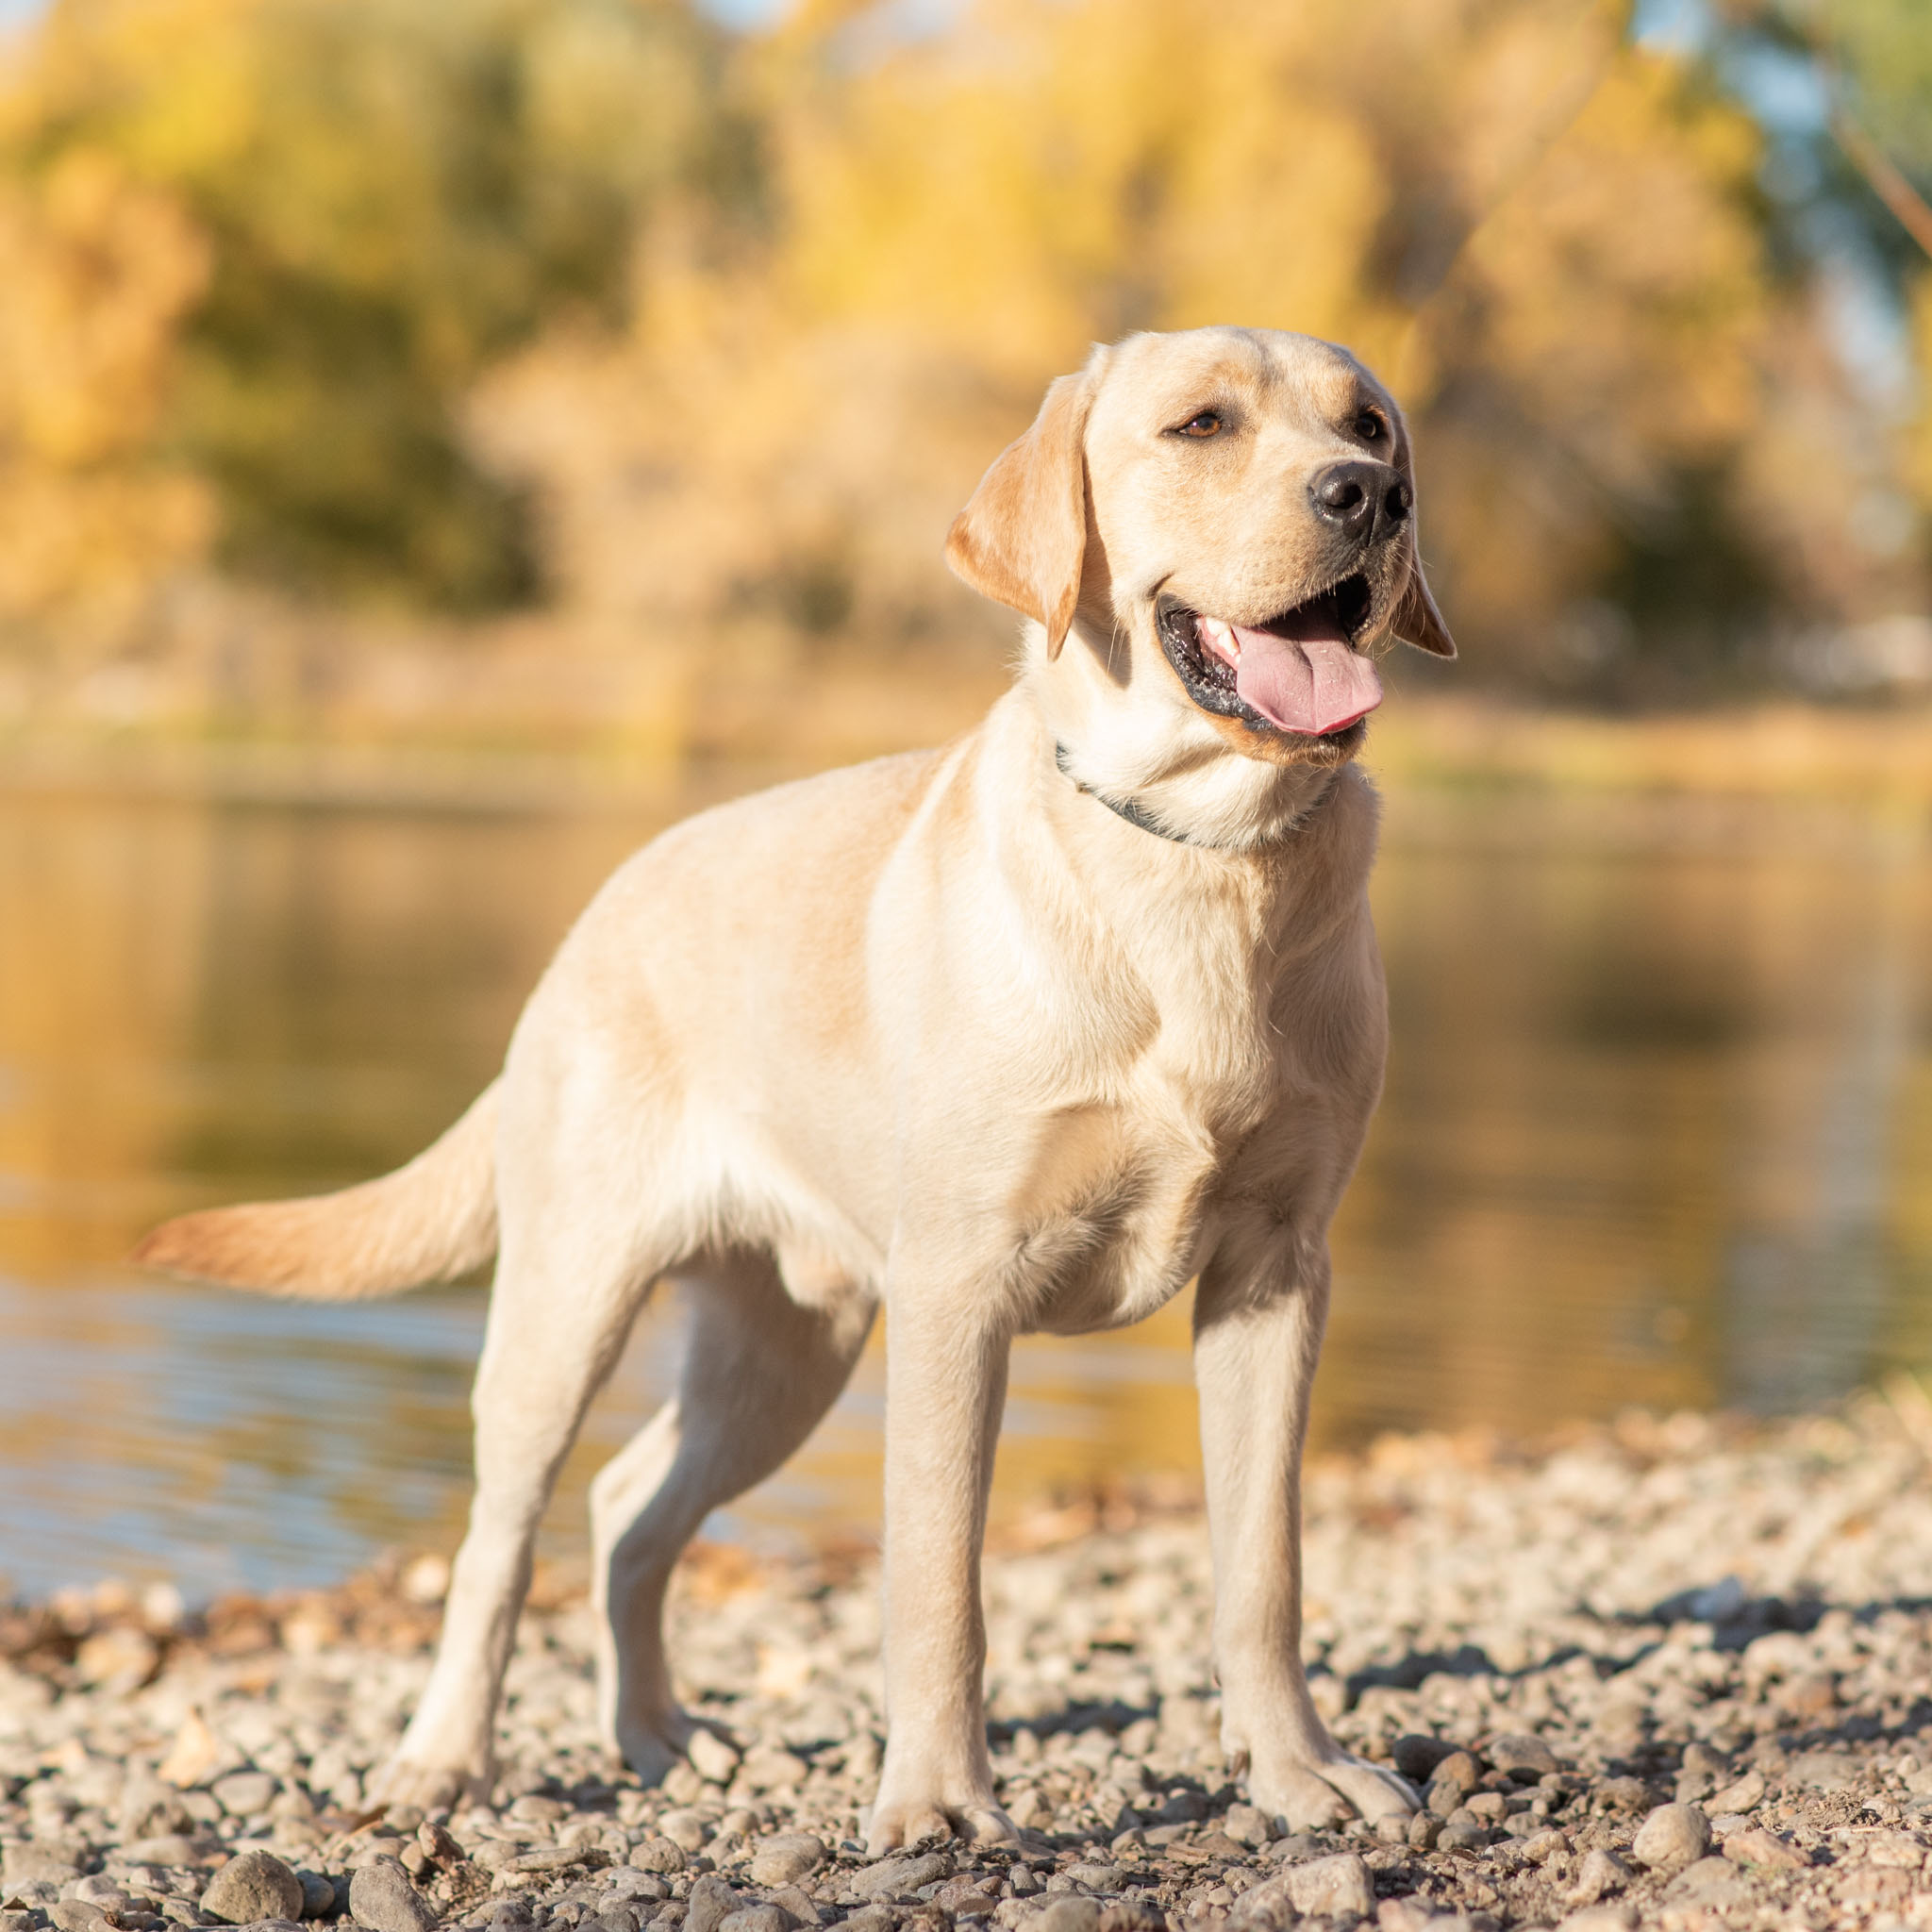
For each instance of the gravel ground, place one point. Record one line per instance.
(1677, 1673)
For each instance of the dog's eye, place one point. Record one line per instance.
(1205, 424)
(1370, 426)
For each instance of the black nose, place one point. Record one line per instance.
(1366, 501)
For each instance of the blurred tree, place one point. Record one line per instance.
(1853, 169)
(385, 195)
(1548, 240)
(98, 270)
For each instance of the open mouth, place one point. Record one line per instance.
(1298, 672)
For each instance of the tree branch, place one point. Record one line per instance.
(1885, 180)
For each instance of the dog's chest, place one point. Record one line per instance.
(1111, 1215)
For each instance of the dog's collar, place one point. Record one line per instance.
(1120, 808)
(1143, 820)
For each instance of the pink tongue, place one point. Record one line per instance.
(1315, 684)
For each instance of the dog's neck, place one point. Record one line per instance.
(1188, 787)
(1143, 819)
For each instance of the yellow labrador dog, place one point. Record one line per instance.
(1021, 1034)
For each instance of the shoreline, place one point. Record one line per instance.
(1867, 760)
(1671, 1671)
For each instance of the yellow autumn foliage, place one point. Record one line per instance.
(707, 338)
(1540, 234)
(99, 273)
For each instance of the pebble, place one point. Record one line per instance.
(1611, 1918)
(1672, 1836)
(1522, 1756)
(787, 1856)
(319, 1897)
(1069, 1912)
(689, 1830)
(1666, 1655)
(1601, 1873)
(1757, 1846)
(252, 1887)
(712, 1758)
(1325, 1888)
(382, 1899)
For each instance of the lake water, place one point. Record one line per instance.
(1658, 1129)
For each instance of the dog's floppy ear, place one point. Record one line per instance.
(1416, 620)
(1021, 538)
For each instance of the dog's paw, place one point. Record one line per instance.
(1318, 1793)
(652, 1746)
(900, 1821)
(429, 1787)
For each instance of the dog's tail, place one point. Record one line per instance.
(430, 1220)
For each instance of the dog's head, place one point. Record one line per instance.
(1225, 522)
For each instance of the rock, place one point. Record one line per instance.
(1521, 1757)
(172, 1849)
(1248, 1826)
(1462, 1832)
(382, 1898)
(99, 1889)
(319, 1899)
(252, 1886)
(1672, 1836)
(710, 1904)
(117, 1660)
(1709, 1882)
(1539, 1847)
(627, 1882)
(659, 1855)
(1899, 1849)
(1744, 1794)
(1424, 1829)
(55, 1860)
(1451, 1782)
(1131, 1915)
(560, 1857)
(757, 1918)
(798, 1903)
(685, 1828)
(242, 1793)
(1069, 1912)
(195, 1755)
(1417, 1756)
(77, 1915)
(1613, 1918)
(1327, 1887)
(891, 1877)
(1095, 1877)
(712, 1756)
(787, 1856)
(1757, 1846)
(1621, 1795)
(1822, 1771)
(769, 1768)
(1601, 1873)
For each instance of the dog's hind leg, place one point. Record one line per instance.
(569, 1283)
(760, 1371)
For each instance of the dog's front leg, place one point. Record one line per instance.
(945, 1387)
(1258, 1334)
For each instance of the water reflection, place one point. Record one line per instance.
(1657, 1128)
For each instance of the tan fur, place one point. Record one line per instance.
(430, 1220)
(947, 1033)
